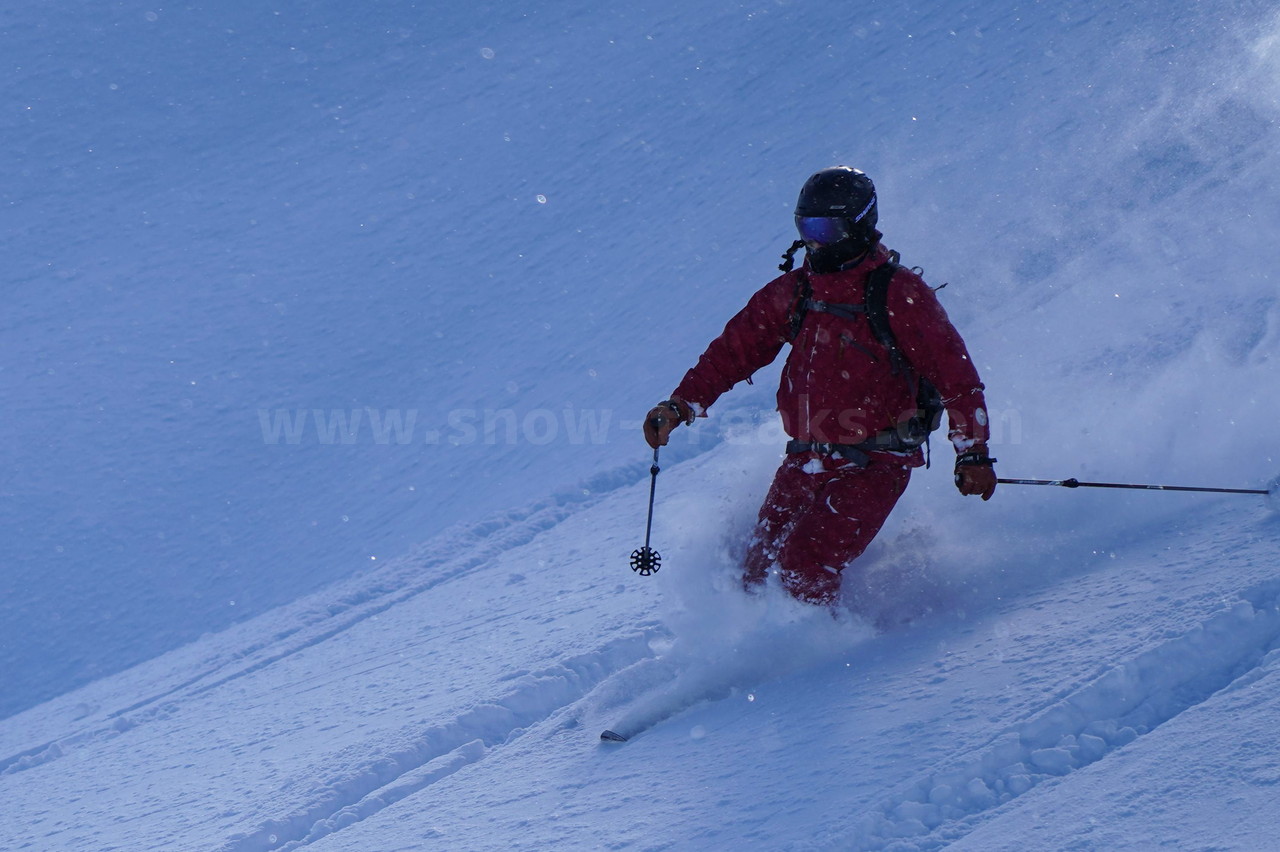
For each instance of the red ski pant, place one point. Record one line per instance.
(820, 514)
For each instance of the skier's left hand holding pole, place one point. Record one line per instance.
(664, 417)
(976, 473)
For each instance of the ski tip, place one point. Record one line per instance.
(612, 737)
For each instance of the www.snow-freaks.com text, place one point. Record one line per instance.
(505, 426)
(408, 426)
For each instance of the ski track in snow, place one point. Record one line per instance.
(362, 598)
(1127, 702)
(442, 750)
(938, 807)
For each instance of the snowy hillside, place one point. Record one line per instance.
(326, 332)
(291, 290)
(453, 701)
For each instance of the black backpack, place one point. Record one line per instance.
(929, 407)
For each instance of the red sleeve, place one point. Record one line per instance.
(936, 351)
(751, 340)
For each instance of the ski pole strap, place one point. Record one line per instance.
(1075, 483)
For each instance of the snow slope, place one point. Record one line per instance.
(453, 700)
(226, 223)
(282, 298)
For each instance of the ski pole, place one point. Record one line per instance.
(1075, 483)
(646, 560)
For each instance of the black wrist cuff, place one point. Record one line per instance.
(974, 458)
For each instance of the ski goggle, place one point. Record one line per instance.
(824, 230)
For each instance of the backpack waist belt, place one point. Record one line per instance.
(887, 441)
(856, 453)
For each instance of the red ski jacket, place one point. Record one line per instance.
(838, 385)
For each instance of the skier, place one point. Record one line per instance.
(850, 392)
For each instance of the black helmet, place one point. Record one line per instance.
(839, 192)
(836, 217)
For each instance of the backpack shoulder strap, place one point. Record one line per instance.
(930, 406)
(875, 306)
(877, 296)
(800, 302)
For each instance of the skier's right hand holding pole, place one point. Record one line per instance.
(664, 417)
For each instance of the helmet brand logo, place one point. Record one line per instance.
(867, 209)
